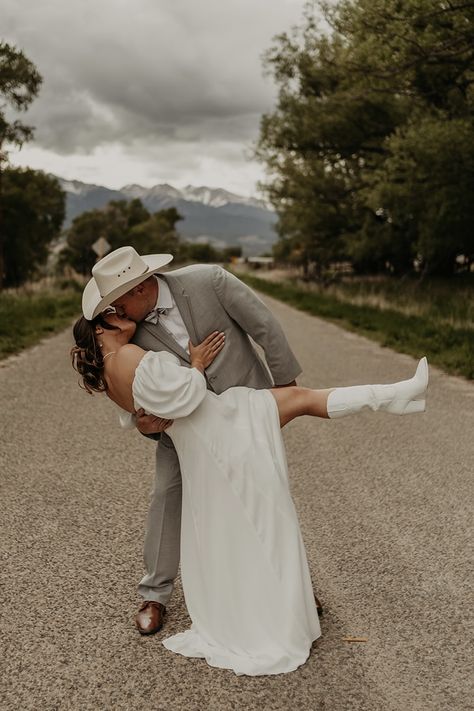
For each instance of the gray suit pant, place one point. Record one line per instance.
(163, 530)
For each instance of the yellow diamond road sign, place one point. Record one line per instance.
(101, 247)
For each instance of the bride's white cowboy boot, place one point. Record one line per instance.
(403, 398)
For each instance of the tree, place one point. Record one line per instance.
(323, 135)
(426, 185)
(121, 217)
(84, 231)
(202, 252)
(32, 219)
(345, 121)
(421, 54)
(19, 84)
(157, 234)
(121, 223)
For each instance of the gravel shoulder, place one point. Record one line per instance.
(385, 506)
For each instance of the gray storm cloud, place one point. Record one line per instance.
(147, 71)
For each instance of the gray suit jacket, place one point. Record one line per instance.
(210, 298)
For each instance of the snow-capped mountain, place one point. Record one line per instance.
(211, 214)
(75, 187)
(214, 197)
(163, 191)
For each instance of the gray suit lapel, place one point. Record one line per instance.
(182, 302)
(157, 331)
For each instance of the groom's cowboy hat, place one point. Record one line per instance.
(117, 273)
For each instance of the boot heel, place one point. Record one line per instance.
(402, 407)
(415, 406)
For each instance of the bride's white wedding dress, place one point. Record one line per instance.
(243, 564)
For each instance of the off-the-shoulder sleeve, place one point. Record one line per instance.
(166, 389)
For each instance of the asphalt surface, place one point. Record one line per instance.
(385, 506)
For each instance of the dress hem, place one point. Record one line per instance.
(191, 644)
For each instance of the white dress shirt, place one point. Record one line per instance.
(168, 314)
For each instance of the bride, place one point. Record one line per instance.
(243, 562)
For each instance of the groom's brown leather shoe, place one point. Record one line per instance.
(150, 617)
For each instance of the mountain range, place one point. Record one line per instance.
(209, 215)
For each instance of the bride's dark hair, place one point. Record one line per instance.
(86, 355)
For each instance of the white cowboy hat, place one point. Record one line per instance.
(117, 273)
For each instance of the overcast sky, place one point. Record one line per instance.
(148, 91)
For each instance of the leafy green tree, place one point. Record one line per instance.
(205, 252)
(84, 231)
(418, 51)
(121, 217)
(19, 84)
(202, 252)
(317, 144)
(426, 185)
(158, 234)
(137, 213)
(421, 54)
(32, 219)
(342, 147)
(120, 223)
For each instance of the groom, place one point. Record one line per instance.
(170, 309)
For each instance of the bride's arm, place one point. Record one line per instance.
(169, 390)
(150, 426)
(187, 391)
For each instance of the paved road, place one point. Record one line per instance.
(384, 504)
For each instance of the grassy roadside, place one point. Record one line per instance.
(28, 316)
(445, 345)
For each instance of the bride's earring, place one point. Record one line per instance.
(98, 332)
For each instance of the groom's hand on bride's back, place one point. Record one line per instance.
(149, 424)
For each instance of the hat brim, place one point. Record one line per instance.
(93, 302)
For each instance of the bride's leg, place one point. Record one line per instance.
(402, 398)
(295, 401)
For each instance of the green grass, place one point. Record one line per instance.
(27, 317)
(436, 322)
(444, 343)
(445, 301)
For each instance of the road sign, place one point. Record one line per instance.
(101, 247)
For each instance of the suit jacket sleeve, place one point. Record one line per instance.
(244, 307)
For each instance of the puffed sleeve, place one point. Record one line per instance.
(166, 389)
